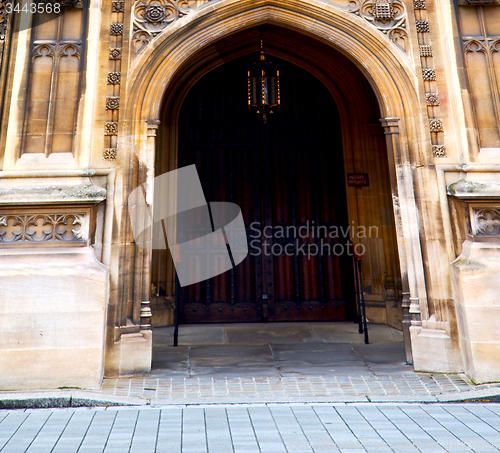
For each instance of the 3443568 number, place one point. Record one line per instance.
(40, 7)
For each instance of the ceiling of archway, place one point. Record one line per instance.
(151, 18)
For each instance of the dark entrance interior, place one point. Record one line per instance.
(288, 178)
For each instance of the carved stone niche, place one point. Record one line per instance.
(476, 278)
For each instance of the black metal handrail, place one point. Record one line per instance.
(360, 295)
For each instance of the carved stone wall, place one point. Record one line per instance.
(54, 86)
(479, 27)
(388, 16)
(152, 17)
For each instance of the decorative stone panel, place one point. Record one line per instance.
(436, 125)
(115, 53)
(152, 17)
(422, 26)
(44, 227)
(118, 6)
(112, 103)
(383, 10)
(111, 128)
(114, 78)
(109, 154)
(479, 30)
(425, 50)
(438, 151)
(116, 29)
(432, 99)
(486, 222)
(419, 4)
(429, 74)
(388, 17)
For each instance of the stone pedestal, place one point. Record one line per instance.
(476, 280)
(53, 289)
(52, 318)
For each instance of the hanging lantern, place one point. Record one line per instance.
(263, 86)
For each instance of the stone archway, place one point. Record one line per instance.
(192, 45)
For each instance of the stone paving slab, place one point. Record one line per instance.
(258, 428)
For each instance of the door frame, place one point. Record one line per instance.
(188, 51)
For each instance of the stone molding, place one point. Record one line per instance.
(482, 208)
(473, 190)
(51, 194)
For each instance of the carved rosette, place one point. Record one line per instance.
(114, 78)
(151, 17)
(432, 99)
(436, 125)
(48, 229)
(112, 102)
(115, 53)
(389, 17)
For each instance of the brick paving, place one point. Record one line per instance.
(411, 385)
(262, 428)
(284, 362)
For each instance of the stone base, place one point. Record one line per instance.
(434, 351)
(132, 353)
(52, 318)
(476, 283)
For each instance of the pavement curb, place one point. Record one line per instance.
(83, 398)
(78, 398)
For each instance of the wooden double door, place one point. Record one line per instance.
(287, 176)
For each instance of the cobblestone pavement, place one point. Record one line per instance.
(285, 362)
(353, 428)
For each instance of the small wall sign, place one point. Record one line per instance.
(357, 180)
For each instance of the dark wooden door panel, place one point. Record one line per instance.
(287, 177)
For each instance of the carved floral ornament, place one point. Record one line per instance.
(389, 17)
(151, 17)
(43, 228)
(487, 222)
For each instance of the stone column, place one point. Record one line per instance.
(476, 279)
(391, 127)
